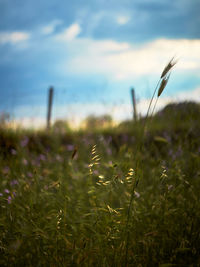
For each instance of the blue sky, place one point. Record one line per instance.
(93, 52)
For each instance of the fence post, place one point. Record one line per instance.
(134, 104)
(49, 110)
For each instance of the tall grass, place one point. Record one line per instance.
(96, 199)
(160, 88)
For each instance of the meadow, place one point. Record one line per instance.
(93, 198)
(104, 196)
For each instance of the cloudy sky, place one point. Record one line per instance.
(93, 52)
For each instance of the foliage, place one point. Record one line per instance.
(60, 126)
(93, 122)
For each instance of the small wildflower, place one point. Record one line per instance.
(25, 161)
(170, 187)
(24, 141)
(14, 182)
(13, 151)
(70, 147)
(42, 157)
(110, 163)
(1, 194)
(136, 194)
(6, 191)
(29, 174)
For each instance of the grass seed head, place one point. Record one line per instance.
(163, 84)
(169, 66)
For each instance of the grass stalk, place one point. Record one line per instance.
(162, 82)
(149, 107)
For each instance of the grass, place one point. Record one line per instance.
(62, 206)
(93, 198)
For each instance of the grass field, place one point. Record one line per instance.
(103, 197)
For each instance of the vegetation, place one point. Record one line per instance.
(116, 196)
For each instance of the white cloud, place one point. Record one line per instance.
(70, 33)
(96, 47)
(193, 95)
(50, 28)
(13, 37)
(124, 61)
(122, 20)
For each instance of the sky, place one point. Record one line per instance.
(93, 53)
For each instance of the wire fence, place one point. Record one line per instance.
(31, 110)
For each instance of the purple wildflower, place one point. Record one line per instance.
(13, 151)
(24, 141)
(42, 157)
(170, 187)
(70, 147)
(29, 174)
(6, 191)
(25, 161)
(14, 182)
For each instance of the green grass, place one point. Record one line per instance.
(65, 196)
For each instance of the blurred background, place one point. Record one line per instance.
(92, 53)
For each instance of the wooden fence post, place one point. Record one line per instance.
(134, 104)
(49, 111)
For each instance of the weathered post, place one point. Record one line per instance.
(134, 104)
(49, 110)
